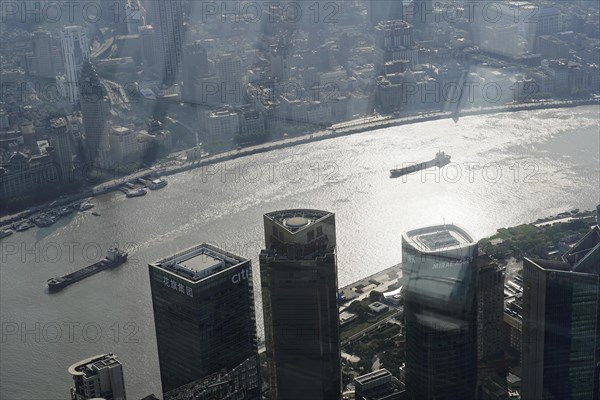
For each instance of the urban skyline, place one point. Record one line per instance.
(236, 200)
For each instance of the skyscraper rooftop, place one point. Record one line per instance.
(199, 262)
(432, 239)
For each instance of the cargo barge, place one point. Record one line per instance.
(114, 257)
(439, 161)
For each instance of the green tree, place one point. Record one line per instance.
(375, 296)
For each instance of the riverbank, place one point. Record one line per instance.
(344, 129)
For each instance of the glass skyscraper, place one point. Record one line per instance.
(203, 303)
(298, 274)
(561, 324)
(439, 290)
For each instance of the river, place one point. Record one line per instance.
(507, 169)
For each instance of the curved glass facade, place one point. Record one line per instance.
(439, 288)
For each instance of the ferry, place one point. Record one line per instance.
(136, 192)
(439, 161)
(157, 184)
(5, 232)
(114, 257)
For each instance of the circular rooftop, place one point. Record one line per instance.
(296, 222)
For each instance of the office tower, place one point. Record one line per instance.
(280, 61)
(64, 148)
(43, 53)
(98, 377)
(195, 66)
(298, 273)
(384, 10)
(439, 290)
(76, 50)
(203, 301)
(229, 68)
(561, 324)
(148, 45)
(378, 385)
(490, 307)
(134, 17)
(395, 39)
(94, 111)
(167, 20)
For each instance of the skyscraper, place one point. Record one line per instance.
(76, 50)
(195, 65)
(490, 307)
(561, 324)
(203, 303)
(439, 290)
(94, 111)
(231, 74)
(298, 272)
(167, 20)
(43, 53)
(98, 377)
(61, 140)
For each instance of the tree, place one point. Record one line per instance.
(375, 296)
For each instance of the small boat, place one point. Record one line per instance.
(157, 184)
(5, 232)
(136, 192)
(95, 214)
(86, 205)
(23, 226)
(44, 220)
(64, 211)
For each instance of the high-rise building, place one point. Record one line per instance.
(439, 290)
(195, 65)
(64, 148)
(43, 53)
(229, 68)
(298, 272)
(384, 10)
(378, 385)
(167, 20)
(280, 58)
(76, 50)
(94, 111)
(148, 44)
(203, 303)
(98, 377)
(561, 324)
(395, 39)
(490, 307)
